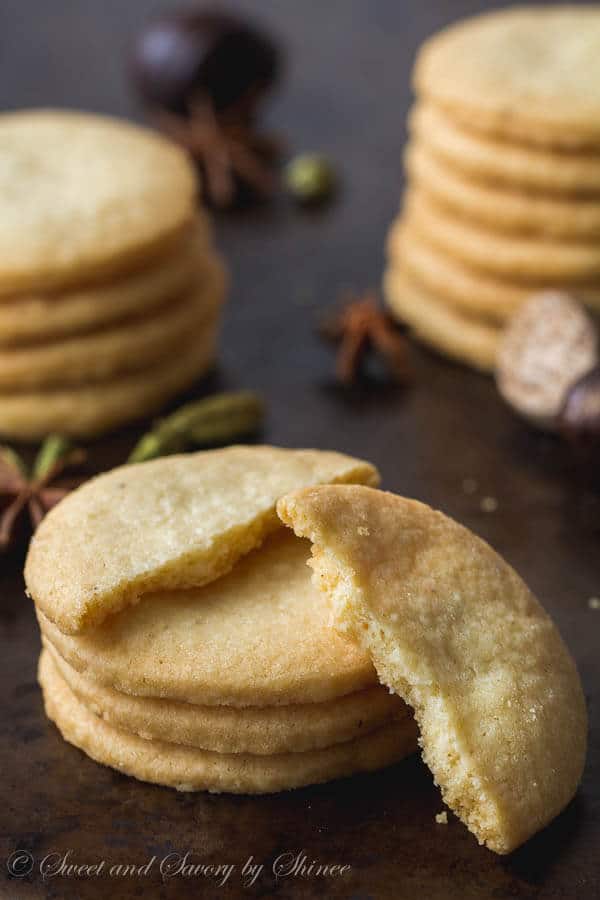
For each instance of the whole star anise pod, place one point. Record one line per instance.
(30, 494)
(362, 327)
(202, 74)
(226, 148)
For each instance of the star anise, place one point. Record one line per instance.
(30, 494)
(227, 148)
(361, 327)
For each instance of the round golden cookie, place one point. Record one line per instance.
(85, 196)
(450, 280)
(128, 347)
(527, 260)
(514, 165)
(91, 410)
(259, 730)
(172, 523)
(440, 325)
(468, 289)
(120, 348)
(501, 208)
(453, 629)
(190, 769)
(263, 630)
(31, 317)
(526, 74)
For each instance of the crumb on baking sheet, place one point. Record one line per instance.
(442, 818)
(594, 603)
(488, 504)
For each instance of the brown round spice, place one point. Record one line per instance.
(547, 346)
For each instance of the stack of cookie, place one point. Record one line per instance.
(181, 651)
(109, 286)
(186, 643)
(503, 166)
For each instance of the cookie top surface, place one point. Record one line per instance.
(525, 72)
(259, 636)
(455, 631)
(171, 523)
(83, 193)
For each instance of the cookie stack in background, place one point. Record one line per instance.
(503, 176)
(181, 649)
(110, 289)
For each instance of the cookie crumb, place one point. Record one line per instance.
(363, 531)
(488, 504)
(442, 818)
(594, 603)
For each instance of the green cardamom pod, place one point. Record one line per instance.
(310, 178)
(54, 450)
(219, 419)
(225, 417)
(12, 460)
(160, 442)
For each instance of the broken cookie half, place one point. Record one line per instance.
(171, 524)
(455, 632)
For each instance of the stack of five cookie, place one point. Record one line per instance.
(110, 289)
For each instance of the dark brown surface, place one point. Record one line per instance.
(346, 93)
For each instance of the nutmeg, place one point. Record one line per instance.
(547, 346)
(580, 414)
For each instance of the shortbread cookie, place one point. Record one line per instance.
(189, 769)
(519, 257)
(514, 165)
(452, 281)
(440, 325)
(91, 410)
(85, 196)
(526, 74)
(456, 633)
(263, 631)
(501, 208)
(127, 347)
(167, 524)
(38, 317)
(294, 728)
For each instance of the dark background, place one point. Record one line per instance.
(345, 93)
